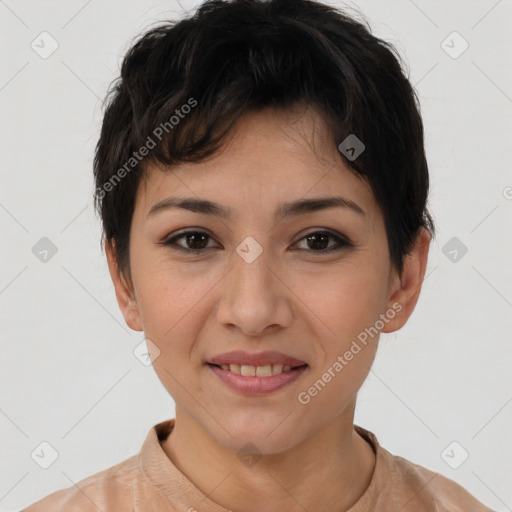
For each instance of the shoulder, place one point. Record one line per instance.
(107, 490)
(400, 484)
(424, 487)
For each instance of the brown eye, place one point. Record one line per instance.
(195, 241)
(318, 242)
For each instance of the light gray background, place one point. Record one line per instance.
(68, 374)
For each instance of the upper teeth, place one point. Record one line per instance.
(256, 371)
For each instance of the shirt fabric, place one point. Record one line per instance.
(150, 482)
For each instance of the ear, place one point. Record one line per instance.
(405, 288)
(124, 294)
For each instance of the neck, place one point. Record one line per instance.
(329, 471)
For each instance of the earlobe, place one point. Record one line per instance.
(407, 287)
(124, 293)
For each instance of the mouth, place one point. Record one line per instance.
(249, 380)
(260, 364)
(256, 373)
(267, 370)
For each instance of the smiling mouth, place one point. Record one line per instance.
(248, 370)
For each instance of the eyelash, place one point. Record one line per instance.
(342, 242)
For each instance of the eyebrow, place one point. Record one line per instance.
(293, 208)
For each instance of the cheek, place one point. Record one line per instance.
(348, 305)
(348, 301)
(172, 304)
(166, 308)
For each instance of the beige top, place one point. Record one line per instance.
(150, 482)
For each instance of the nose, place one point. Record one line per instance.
(255, 297)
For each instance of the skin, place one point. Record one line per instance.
(307, 305)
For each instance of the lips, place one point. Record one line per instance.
(243, 379)
(268, 357)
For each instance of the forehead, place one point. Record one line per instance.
(268, 157)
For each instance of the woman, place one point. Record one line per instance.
(262, 183)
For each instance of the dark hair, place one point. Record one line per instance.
(231, 57)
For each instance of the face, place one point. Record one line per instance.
(307, 284)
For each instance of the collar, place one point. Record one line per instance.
(185, 496)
